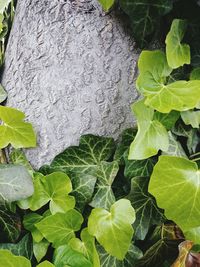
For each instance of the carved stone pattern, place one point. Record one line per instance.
(71, 69)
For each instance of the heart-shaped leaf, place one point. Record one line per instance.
(151, 135)
(15, 183)
(177, 54)
(40, 249)
(104, 196)
(53, 188)
(60, 227)
(178, 178)
(14, 130)
(113, 230)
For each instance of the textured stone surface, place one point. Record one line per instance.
(71, 69)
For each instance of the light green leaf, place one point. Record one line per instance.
(85, 157)
(59, 228)
(177, 54)
(53, 188)
(9, 259)
(191, 117)
(180, 95)
(193, 234)
(40, 249)
(135, 168)
(175, 148)
(104, 196)
(132, 256)
(86, 247)
(22, 248)
(14, 130)
(10, 224)
(29, 224)
(151, 135)
(178, 178)
(83, 189)
(3, 94)
(147, 212)
(4, 4)
(113, 230)
(17, 156)
(106, 4)
(45, 264)
(15, 183)
(65, 256)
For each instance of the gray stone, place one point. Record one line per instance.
(71, 69)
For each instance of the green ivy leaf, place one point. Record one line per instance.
(60, 227)
(3, 94)
(144, 16)
(177, 54)
(86, 247)
(14, 130)
(180, 95)
(135, 168)
(177, 177)
(15, 183)
(17, 156)
(9, 259)
(53, 188)
(167, 119)
(147, 212)
(163, 247)
(191, 117)
(195, 74)
(132, 256)
(83, 189)
(175, 148)
(4, 4)
(113, 230)
(40, 249)
(104, 196)
(65, 256)
(29, 222)
(10, 224)
(85, 157)
(125, 140)
(22, 248)
(106, 4)
(45, 264)
(151, 135)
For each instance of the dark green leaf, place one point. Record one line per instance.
(10, 224)
(85, 157)
(135, 168)
(130, 260)
(147, 212)
(125, 140)
(144, 15)
(106, 174)
(22, 248)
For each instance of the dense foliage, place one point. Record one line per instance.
(134, 202)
